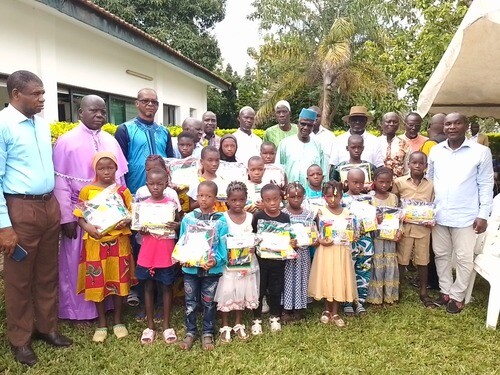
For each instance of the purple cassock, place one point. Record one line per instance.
(73, 153)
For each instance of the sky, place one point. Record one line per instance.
(236, 34)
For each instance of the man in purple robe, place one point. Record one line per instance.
(73, 153)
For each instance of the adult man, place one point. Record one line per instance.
(141, 137)
(413, 123)
(477, 137)
(296, 154)
(30, 217)
(463, 183)
(73, 154)
(357, 120)
(435, 133)
(248, 143)
(395, 149)
(283, 128)
(209, 137)
(194, 127)
(324, 137)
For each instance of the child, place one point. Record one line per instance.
(355, 147)
(384, 284)
(106, 267)
(273, 173)
(362, 248)
(228, 147)
(254, 183)
(209, 161)
(296, 270)
(332, 274)
(185, 143)
(200, 283)
(314, 181)
(237, 290)
(154, 263)
(416, 238)
(272, 272)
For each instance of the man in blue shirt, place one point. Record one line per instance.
(141, 137)
(30, 217)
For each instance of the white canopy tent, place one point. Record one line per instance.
(467, 79)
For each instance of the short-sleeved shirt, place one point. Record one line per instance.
(405, 188)
(261, 215)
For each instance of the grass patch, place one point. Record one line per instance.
(405, 338)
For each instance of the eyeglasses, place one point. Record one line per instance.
(306, 124)
(148, 101)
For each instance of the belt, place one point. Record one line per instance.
(31, 197)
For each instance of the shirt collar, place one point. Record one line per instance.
(87, 130)
(17, 116)
(466, 143)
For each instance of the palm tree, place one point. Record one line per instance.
(327, 65)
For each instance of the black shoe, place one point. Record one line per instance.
(53, 338)
(25, 355)
(454, 307)
(442, 300)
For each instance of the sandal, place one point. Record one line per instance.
(225, 334)
(325, 317)
(348, 310)
(338, 321)
(207, 342)
(360, 309)
(239, 329)
(148, 336)
(120, 331)
(428, 302)
(187, 343)
(169, 336)
(100, 334)
(133, 299)
(257, 327)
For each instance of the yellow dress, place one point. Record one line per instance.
(106, 266)
(332, 271)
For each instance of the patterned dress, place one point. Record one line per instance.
(297, 270)
(384, 283)
(106, 266)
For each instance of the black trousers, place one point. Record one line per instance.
(272, 280)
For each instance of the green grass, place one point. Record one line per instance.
(401, 339)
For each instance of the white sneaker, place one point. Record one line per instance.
(265, 306)
(257, 327)
(275, 324)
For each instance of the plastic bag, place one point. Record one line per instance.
(274, 174)
(365, 167)
(226, 173)
(154, 217)
(306, 233)
(194, 248)
(340, 229)
(365, 213)
(391, 223)
(105, 210)
(419, 212)
(313, 204)
(274, 240)
(183, 171)
(239, 254)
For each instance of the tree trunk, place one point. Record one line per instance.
(329, 79)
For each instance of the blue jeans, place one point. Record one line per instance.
(200, 287)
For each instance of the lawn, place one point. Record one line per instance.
(405, 338)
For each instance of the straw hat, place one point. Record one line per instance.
(358, 110)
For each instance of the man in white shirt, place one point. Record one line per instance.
(462, 172)
(248, 143)
(324, 137)
(357, 120)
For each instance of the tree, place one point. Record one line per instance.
(318, 45)
(183, 25)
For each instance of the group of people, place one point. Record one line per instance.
(299, 174)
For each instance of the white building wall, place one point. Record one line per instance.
(62, 50)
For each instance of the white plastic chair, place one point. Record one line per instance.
(487, 264)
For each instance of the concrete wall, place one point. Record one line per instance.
(64, 51)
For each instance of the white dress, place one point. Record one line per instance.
(238, 290)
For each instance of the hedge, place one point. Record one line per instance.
(61, 127)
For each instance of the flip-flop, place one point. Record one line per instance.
(169, 336)
(120, 331)
(148, 336)
(348, 310)
(100, 334)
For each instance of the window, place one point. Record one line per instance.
(170, 114)
(192, 112)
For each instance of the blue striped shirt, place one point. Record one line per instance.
(26, 165)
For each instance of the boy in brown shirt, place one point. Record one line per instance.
(416, 238)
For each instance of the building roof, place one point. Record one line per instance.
(92, 14)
